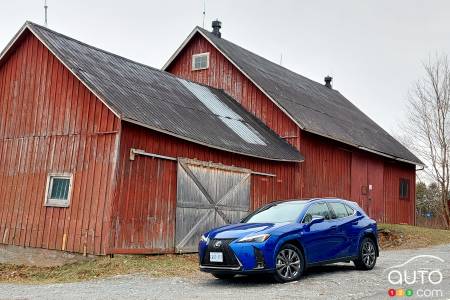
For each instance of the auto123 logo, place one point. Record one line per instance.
(419, 276)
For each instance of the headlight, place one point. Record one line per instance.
(204, 238)
(255, 238)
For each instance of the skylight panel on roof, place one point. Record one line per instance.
(210, 100)
(246, 132)
(225, 114)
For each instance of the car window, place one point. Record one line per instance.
(319, 209)
(350, 210)
(339, 210)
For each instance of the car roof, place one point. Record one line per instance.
(310, 200)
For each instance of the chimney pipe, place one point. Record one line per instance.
(216, 25)
(328, 80)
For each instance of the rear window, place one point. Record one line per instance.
(339, 209)
(350, 210)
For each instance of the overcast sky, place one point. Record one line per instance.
(373, 49)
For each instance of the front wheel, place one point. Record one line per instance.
(367, 255)
(290, 264)
(223, 276)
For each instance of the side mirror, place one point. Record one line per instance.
(316, 220)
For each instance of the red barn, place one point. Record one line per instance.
(100, 154)
(346, 154)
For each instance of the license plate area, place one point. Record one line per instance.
(216, 257)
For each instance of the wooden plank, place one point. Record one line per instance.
(42, 105)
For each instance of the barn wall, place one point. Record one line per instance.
(49, 122)
(326, 171)
(330, 168)
(399, 210)
(224, 75)
(143, 218)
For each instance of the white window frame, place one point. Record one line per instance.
(58, 202)
(194, 56)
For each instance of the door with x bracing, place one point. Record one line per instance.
(208, 195)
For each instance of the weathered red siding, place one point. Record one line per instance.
(144, 207)
(399, 210)
(49, 122)
(224, 75)
(326, 171)
(330, 168)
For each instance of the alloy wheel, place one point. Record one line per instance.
(368, 254)
(288, 264)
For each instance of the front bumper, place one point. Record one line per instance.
(239, 258)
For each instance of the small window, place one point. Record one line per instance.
(200, 61)
(339, 210)
(404, 188)
(59, 187)
(319, 209)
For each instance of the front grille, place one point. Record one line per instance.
(229, 259)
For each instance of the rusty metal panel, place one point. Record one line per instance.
(208, 195)
(49, 122)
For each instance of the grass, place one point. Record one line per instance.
(101, 267)
(410, 237)
(391, 237)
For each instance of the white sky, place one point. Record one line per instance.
(373, 49)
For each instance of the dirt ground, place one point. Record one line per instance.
(339, 281)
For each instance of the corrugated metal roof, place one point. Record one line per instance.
(160, 101)
(313, 106)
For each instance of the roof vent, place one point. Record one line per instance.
(216, 25)
(328, 80)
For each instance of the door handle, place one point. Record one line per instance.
(334, 227)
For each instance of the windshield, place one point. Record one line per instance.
(277, 213)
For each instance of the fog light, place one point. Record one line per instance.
(259, 259)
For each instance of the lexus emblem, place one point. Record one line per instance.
(218, 244)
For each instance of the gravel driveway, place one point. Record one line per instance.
(340, 281)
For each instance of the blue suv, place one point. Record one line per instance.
(285, 237)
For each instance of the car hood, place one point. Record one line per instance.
(243, 229)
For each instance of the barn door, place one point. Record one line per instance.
(208, 196)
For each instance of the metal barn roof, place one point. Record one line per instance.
(314, 107)
(160, 101)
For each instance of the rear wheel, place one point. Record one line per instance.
(223, 276)
(290, 264)
(367, 255)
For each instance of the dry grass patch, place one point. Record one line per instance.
(101, 267)
(410, 237)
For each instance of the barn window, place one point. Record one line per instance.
(59, 187)
(200, 61)
(404, 188)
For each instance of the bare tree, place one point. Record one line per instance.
(429, 124)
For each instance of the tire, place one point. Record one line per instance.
(367, 255)
(223, 276)
(289, 264)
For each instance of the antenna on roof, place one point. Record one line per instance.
(204, 13)
(281, 59)
(45, 10)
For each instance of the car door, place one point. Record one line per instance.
(343, 233)
(318, 239)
